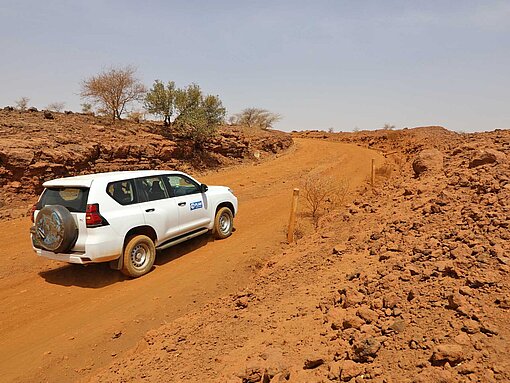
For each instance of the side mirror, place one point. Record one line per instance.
(203, 188)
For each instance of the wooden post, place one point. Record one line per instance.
(372, 174)
(292, 219)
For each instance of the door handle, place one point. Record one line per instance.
(181, 203)
(150, 210)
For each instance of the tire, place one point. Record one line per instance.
(138, 256)
(55, 229)
(223, 223)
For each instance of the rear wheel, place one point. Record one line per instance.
(139, 255)
(223, 223)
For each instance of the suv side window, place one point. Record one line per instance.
(122, 191)
(153, 188)
(182, 185)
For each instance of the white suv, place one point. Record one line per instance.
(124, 217)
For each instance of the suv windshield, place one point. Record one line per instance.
(72, 198)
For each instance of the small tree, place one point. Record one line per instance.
(187, 109)
(22, 103)
(213, 110)
(160, 100)
(197, 116)
(113, 90)
(86, 108)
(56, 107)
(388, 127)
(257, 118)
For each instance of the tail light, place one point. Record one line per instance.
(32, 212)
(92, 216)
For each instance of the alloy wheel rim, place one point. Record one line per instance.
(225, 223)
(140, 256)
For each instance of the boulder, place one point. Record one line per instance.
(428, 161)
(487, 156)
(48, 115)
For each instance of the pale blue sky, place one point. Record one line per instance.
(320, 64)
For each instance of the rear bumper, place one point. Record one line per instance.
(98, 248)
(79, 258)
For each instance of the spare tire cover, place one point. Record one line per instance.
(55, 229)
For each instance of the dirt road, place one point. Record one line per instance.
(60, 322)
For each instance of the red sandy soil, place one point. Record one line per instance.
(65, 323)
(409, 282)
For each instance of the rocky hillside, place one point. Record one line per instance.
(35, 147)
(408, 283)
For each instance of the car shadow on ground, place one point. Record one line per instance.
(99, 275)
(177, 251)
(91, 276)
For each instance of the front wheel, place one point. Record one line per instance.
(139, 255)
(223, 223)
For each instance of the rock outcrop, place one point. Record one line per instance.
(35, 147)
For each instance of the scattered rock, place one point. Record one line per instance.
(367, 314)
(451, 353)
(252, 374)
(390, 301)
(429, 160)
(470, 326)
(398, 326)
(242, 302)
(350, 370)
(365, 350)
(48, 115)
(340, 249)
(311, 363)
(455, 301)
(487, 156)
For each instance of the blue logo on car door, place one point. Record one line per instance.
(195, 205)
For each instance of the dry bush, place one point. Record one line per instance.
(322, 192)
(56, 107)
(136, 116)
(256, 118)
(384, 171)
(299, 231)
(22, 103)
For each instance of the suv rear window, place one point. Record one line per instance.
(72, 198)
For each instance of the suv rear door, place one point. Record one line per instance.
(160, 211)
(74, 198)
(192, 203)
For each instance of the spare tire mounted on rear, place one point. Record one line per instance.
(55, 229)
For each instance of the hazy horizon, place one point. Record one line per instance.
(321, 65)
